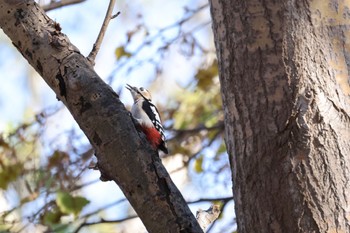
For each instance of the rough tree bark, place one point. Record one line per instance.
(285, 87)
(122, 155)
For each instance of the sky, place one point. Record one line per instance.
(24, 92)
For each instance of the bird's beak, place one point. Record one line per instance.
(130, 88)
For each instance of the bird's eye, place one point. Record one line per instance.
(142, 89)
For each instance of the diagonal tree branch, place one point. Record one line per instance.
(123, 156)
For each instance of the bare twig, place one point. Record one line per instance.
(150, 39)
(57, 4)
(103, 221)
(100, 36)
(103, 208)
(220, 125)
(222, 199)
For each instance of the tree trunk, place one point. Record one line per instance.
(123, 156)
(285, 87)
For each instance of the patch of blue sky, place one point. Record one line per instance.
(13, 94)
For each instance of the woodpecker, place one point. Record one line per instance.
(147, 117)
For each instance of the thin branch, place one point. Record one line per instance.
(223, 199)
(220, 125)
(148, 41)
(100, 36)
(54, 5)
(84, 224)
(185, 163)
(103, 208)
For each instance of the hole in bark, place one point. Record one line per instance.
(39, 67)
(29, 54)
(61, 84)
(97, 139)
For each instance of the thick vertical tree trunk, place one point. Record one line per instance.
(284, 76)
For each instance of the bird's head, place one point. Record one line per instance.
(138, 93)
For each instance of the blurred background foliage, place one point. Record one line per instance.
(46, 184)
